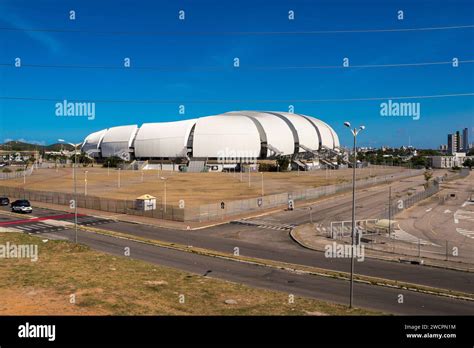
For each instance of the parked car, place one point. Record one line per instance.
(21, 206)
(4, 201)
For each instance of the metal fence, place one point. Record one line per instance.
(206, 212)
(162, 211)
(218, 211)
(16, 174)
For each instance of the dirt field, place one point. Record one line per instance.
(108, 285)
(193, 188)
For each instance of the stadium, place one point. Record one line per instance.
(220, 141)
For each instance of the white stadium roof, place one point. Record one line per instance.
(234, 134)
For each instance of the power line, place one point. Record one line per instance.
(223, 101)
(231, 33)
(221, 68)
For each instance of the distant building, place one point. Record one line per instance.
(453, 143)
(455, 160)
(465, 140)
(443, 147)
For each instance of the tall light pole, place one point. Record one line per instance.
(85, 183)
(164, 179)
(75, 185)
(389, 211)
(354, 132)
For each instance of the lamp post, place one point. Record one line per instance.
(75, 185)
(164, 179)
(354, 132)
(85, 183)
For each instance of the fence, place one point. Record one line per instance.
(218, 211)
(16, 175)
(397, 206)
(116, 206)
(201, 213)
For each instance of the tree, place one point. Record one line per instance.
(283, 162)
(468, 163)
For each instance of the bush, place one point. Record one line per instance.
(267, 167)
(284, 162)
(6, 170)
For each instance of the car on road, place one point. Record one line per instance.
(21, 206)
(4, 201)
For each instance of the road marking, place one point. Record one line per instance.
(467, 233)
(447, 211)
(42, 218)
(428, 210)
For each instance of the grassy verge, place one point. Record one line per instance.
(105, 284)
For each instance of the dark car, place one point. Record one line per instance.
(21, 206)
(4, 201)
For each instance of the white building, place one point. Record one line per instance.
(456, 160)
(233, 136)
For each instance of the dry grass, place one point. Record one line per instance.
(193, 188)
(104, 284)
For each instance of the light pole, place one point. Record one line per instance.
(75, 185)
(389, 211)
(164, 179)
(85, 183)
(262, 184)
(354, 132)
(118, 182)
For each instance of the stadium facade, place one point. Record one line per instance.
(237, 136)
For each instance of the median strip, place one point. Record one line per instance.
(295, 268)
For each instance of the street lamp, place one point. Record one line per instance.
(75, 185)
(85, 183)
(164, 179)
(354, 132)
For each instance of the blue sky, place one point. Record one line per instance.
(156, 43)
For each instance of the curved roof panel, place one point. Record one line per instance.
(166, 139)
(226, 137)
(91, 144)
(118, 140)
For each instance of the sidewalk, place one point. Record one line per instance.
(306, 236)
